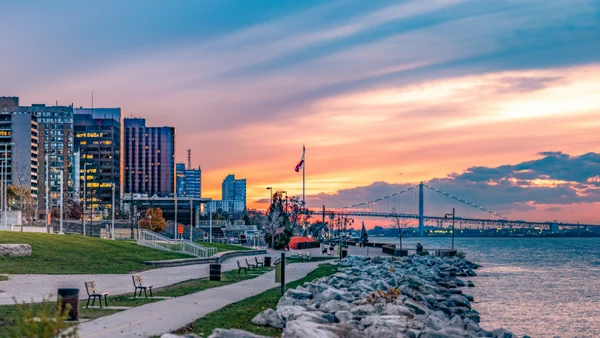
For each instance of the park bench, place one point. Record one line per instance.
(307, 256)
(138, 283)
(251, 266)
(300, 255)
(329, 253)
(261, 264)
(90, 288)
(240, 268)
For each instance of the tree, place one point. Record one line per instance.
(20, 198)
(153, 220)
(74, 210)
(273, 226)
(364, 237)
(400, 225)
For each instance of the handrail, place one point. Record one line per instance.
(153, 240)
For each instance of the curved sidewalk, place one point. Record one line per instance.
(26, 288)
(169, 315)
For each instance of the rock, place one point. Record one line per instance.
(269, 318)
(384, 332)
(303, 329)
(398, 310)
(386, 321)
(460, 283)
(334, 306)
(457, 300)
(313, 316)
(222, 333)
(363, 310)
(286, 301)
(334, 294)
(15, 250)
(343, 316)
(418, 308)
(472, 315)
(296, 294)
(470, 284)
(469, 298)
(286, 311)
(470, 272)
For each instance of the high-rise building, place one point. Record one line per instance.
(55, 143)
(98, 146)
(19, 150)
(234, 190)
(189, 181)
(149, 158)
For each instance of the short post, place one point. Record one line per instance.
(282, 273)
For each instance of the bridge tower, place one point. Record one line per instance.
(421, 217)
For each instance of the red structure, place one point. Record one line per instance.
(295, 242)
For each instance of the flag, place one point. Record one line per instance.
(301, 163)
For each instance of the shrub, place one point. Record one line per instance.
(42, 321)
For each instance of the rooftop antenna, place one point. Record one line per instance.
(189, 164)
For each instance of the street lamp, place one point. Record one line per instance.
(453, 216)
(286, 201)
(112, 227)
(271, 188)
(84, 193)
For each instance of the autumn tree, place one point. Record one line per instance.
(153, 220)
(20, 198)
(75, 211)
(273, 226)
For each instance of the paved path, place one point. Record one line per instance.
(37, 287)
(169, 315)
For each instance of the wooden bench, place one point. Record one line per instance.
(307, 256)
(138, 283)
(261, 264)
(251, 266)
(240, 268)
(329, 253)
(90, 288)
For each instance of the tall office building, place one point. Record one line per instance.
(149, 158)
(234, 190)
(55, 141)
(98, 146)
(19, 149)
(189, 181)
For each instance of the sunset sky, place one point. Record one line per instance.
(495, 101)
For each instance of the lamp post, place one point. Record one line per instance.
(84, 194)
(62, 174)
(453, 216)
(112, 226)
(286, 201)
(210, 221)
(2, 184)
(271, 189)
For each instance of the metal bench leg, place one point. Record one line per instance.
(135, 293)
(145, 293)
(105, 301)
(151, 292)
(100, 301)
(93, 300)
(88, 302)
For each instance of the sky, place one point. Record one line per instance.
(493, 101)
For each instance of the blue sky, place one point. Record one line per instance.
(434, 86)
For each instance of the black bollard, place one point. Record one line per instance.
(282, 273)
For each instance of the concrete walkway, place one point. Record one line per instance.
(157, 318)
(26, 288)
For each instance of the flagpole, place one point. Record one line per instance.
(303, 181)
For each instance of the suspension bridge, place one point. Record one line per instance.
(393, 205)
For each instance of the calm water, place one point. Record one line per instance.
(532, 286)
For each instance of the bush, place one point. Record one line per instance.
(42, 321)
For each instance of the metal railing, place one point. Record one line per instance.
(153, 240)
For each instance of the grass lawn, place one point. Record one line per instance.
(75, 254)
(224, 247)
(3, 278)
(240, 314)
(312, 259)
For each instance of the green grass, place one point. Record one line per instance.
(313, 259)
(10, 313)
(74, 254)
(224, 247)
(240, 314)
(3, 278)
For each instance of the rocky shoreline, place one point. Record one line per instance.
(416, 297)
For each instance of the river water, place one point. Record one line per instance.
(541, 287)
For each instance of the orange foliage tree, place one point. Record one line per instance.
(153, 220)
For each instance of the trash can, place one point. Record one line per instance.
(71, 297)
(267, 261)
(344, 253)
(215, 272)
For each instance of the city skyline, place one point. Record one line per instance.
(382, 96)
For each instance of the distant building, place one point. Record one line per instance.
(189, 181)
(98, 145)
(55, 141)
(228, 206)
(19, 150)
(234, 190)
(149, 158)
